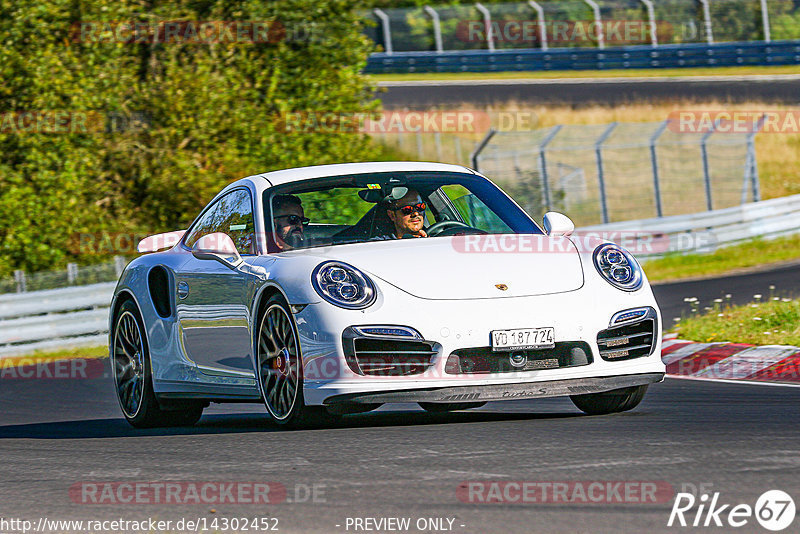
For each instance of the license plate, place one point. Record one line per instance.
(523, 338)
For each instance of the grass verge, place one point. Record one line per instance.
(617, 73)
(99, 351)
(744, 256)
(775, 321)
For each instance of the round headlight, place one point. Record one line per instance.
(343, 285)
(618, 267)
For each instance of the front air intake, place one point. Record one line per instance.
(388, 353)
(631, 340)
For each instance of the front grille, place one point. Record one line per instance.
(628, 341)
(386, 356)
(482, 360)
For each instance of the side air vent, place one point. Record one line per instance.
(158, 283)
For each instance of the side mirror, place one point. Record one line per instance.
(557, 224)
(217, 246)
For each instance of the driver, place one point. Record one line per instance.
(289, 219)
(408, 215)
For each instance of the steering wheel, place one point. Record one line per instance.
(447, 228)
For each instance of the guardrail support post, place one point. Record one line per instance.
(72, 272)
(487, 24)
(598, 151)
(651, 17)
(707, 21)
(706, 171)
(543, 164)
(601, 37)
(387, 31)
(765, 21)
(654, 163)
(542, 27)
(19, 278)
(478, 149)
(437, 27)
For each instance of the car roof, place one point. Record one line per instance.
(319, 171)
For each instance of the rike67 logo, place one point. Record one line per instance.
(774, 510)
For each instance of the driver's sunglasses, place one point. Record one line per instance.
(411, 208)
(295, 220)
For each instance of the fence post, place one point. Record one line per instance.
(437, 139)
(542, 29)
(601, 36)
(706, 172)
(765, 21)
(119, 265)
(420, 156)
(437, 28)
(707, 21)
(487, 24)
(600, 177)
(751, 153)
(651, 17)
(72, 272)
(478, 149)
(543, 164)
(654, 163)
(19, 278)
(387, 32)
(457, 142)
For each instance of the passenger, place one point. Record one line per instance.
(408, 215)
(289, 220)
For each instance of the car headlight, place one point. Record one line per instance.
(618, 266)
(343, 285)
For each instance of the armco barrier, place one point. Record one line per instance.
(61, 318)
(628, 57)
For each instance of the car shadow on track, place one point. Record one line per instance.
(257, 422)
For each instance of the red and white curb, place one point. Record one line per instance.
(778, 364)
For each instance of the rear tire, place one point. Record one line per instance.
(442, 407)
(133, 376)
(617, 400)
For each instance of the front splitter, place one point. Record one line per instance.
(496, 392)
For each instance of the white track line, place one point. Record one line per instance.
(728, 381)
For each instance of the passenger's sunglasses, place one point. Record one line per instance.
(411, 208)
(294, 220)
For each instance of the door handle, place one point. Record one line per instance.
(183, 290)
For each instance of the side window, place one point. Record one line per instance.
(232, 215)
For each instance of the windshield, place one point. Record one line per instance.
(384, 206)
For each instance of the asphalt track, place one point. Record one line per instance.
(736, 439)
(778, 89)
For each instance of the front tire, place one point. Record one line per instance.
(617, 400)
(133, 378)
(280, 369)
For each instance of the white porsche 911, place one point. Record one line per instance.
(334, 289)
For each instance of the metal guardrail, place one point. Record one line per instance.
(73, 316)
(627, 57)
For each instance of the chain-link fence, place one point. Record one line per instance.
(622, 171)
(576, 23)
(73, 275)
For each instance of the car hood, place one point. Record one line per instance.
(470, 267)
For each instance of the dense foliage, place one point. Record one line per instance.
(155, 125)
